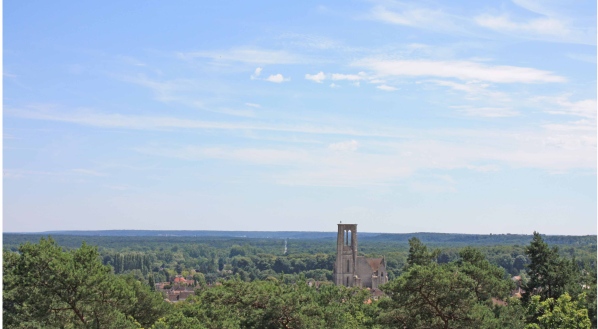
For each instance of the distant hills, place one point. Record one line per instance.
(429, 238)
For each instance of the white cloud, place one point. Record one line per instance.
(277, 78)
(349, 77)
(488, 112)
(589, 58)
(137, 122)
(347, 146)
(89, 172)
(554, 147)
(319, 77)
(239, 113)
(256, 73)
(562, 105)
(474, 90)
(257, 106)
(334, 85)
(247, 55)
(251, 155)
(538, 26)
(167, 90)
(386, 88)
(463, 70)
(311, 41)
(428, 188)
(131, 61)
(545, 28)
(411, 14)
(118, 187)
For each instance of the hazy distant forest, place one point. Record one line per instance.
(435, 281)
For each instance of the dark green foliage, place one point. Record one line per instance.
(452, 295)
(419, 254)
(489, 280)
(151, 282)
(430, 296)
(46, 287)
(148, 305)
(549, 273)
(273, 304)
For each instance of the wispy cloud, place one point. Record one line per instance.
(463, 70)
(487, 112)
(247, 55)
(396, 155)
(586, 108)
(256, 73)
(351, 163)
(89, 172)
(236, 112)
(184, 92)
(386, 88)
(251, 155)
(474, 90)
(254, 105)
(167, 90)
(136, 122)
(347, 146)
(310, 41)
(415, 15)
(589, 58)
(131, 60)
(550, 22)
(538, 28)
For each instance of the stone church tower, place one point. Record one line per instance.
(346, 255)
(351, 270)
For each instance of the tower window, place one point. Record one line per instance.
(348, 266)
(348, 235)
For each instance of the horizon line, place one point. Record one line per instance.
(287, 231)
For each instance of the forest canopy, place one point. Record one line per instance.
(253, 283)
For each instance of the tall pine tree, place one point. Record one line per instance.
(549, 274)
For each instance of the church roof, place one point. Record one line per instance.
(374, 263)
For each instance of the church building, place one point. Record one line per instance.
(351, 270)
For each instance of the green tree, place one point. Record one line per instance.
(519, 262)
(489, 279)
(151, 282)
(45, 287)
(549, 274)
(453, 295)
(562, 313)
(199, 279)
(432, 296)
(419, 254)
(149, 306)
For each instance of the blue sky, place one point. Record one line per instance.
(458, 117)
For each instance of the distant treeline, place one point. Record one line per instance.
(143, 236)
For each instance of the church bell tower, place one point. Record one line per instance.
(346, 255)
